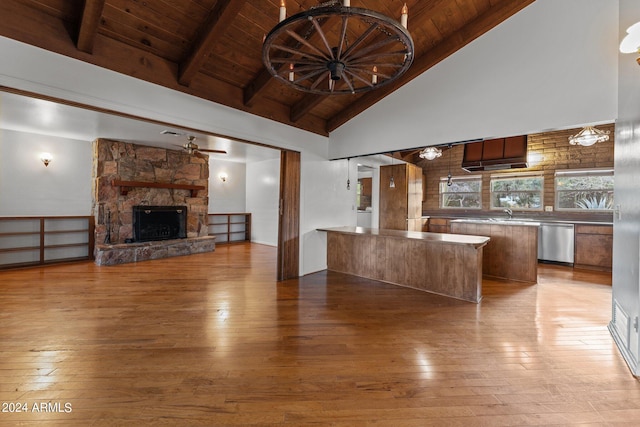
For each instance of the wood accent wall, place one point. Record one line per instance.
(401, 207)
(453, 270)
(289, 216)
(556, 152)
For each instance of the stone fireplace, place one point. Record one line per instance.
(130, 179)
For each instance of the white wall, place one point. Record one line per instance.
(35, 70)
(27, 187)
(551, 66)
(230, 195)
(263, 194)
(626, 229)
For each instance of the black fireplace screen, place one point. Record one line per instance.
(159, 223)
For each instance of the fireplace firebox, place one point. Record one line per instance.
(159, 223)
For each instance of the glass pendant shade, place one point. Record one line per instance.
(431, 153)
(589, 136)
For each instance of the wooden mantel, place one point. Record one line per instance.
(125, 186)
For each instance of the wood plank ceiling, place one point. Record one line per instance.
(213, 48)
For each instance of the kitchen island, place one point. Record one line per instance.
(513, 251)
(445, 264)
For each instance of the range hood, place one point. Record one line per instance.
(495, 154)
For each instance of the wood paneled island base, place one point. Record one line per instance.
(444, 264)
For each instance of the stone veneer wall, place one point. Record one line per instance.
(116, 160)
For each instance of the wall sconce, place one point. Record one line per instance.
(223, 176)
(631, 42)
(46, 158)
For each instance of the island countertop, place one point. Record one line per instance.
(459, 239)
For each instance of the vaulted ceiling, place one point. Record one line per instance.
(213, 48)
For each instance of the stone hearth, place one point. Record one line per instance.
(143, 251)
(153, 176)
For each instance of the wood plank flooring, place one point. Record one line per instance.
(214, 340)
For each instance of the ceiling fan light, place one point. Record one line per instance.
(589, 136)
(430, 153)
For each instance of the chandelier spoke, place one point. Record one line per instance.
(295, 51)
(362, 38)
(307, 44)
(345, 75)
(323, 76)
(296, 61)
(343, 36)
(323, 37)
(310, 75)
(373, 58)
(363, 80)
(371, 48)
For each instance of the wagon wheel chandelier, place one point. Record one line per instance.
(334, 48)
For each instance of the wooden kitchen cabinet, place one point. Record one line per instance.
(593, 246)
(439, 225)
(401, 206)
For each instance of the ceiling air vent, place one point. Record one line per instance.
(495, 154)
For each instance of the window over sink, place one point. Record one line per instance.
(461, 192)
(582, 189)
(517, 191)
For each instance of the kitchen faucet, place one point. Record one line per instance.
(509, 212)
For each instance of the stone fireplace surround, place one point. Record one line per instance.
(174, 178)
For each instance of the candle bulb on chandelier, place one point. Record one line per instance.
(292, 76)
(283, 11)
(405, 15)
(374, 77)
(346, 3)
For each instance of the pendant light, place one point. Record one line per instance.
(449, 179)
(430, 153)
(589, 136)
(392, 183)
(348, 171)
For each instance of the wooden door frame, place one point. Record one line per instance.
(289, 216)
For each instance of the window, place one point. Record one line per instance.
(465, 192)
(517, 191)
(577, 190)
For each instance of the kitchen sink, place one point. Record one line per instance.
(512, 221)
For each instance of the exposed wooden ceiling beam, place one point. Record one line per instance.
(219, 19)
(264, 77)
(305, 105)
(445, 48)
(91, 15)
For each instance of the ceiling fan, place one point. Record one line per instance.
(192, 148)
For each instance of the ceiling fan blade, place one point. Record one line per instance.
(212, 151)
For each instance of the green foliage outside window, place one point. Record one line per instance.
(517, 192)
(580, 190)
(463, 193)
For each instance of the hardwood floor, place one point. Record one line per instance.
(213, 339)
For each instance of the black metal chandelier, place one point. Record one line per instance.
(335, 48)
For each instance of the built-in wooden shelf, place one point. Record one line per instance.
(125, 186)
(33, 240)
(230, 227)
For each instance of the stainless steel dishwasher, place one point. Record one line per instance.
(556, 242)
